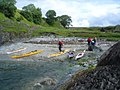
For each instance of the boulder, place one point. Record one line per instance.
(117, 29)
(111, 56)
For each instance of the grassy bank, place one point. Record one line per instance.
(81, 32)
(24, 26)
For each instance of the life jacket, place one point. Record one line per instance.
(92, 42)
(89, 40)
(60, 43)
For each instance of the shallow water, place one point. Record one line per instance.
(20, 75)
(24, 73)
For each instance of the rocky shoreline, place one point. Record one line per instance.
(49, 45)
(106, 76)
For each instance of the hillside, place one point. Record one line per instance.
(19, 27)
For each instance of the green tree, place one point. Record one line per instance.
(37, 16)
(31, 13)
(7, 7)
(27, 15)
(65, 20)
(50, 17)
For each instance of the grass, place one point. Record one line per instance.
(44, 29)
(84, 33)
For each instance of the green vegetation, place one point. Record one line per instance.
(50, 17)
(31, 13)
(65, 20)
(30, 20)
(81, 32)
(7, 7)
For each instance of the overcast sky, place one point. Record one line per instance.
(84, 13)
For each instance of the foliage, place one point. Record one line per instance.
(2, 16)
(50, 14)
(27, 15)
(65, 20)
(7, 7)
(81, 32)
(32, 14)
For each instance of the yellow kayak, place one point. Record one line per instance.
(27, 54)
(59, 53)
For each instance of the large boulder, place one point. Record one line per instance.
(111, 56)
(117, 29)
(102, 78)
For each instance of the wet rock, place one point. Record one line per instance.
(111, 57)
(48, 81)
(103, 78)
(37, 86)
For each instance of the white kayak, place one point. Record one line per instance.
(70, 55)
(80, 55)
(18, 50)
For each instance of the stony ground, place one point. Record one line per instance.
(106, 76)
(49, 45)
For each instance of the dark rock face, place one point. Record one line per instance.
(106, 76)
(117, 29)
(103, 78)
(111, 57)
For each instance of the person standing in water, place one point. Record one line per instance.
(60, 44)
(94, 40)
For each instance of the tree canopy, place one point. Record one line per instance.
(31, 13)
(50, 14)
(65, 20)
(8, 8)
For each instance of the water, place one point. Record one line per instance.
(25, 73)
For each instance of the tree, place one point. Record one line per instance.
(31, 13)
(65, 20)
(50, 17)
(7, 7)
(37, 16)
(27, 15)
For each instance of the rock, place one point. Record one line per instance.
(37, 86)
(111, 56)
(48, 81)
(117, 29)
(102, 78)
(106, 76)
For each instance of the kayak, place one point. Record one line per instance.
(80, 55)
(58, 53)
(16, 50)
(27, 54)
(71, 54)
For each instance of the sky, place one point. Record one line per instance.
(84, 13)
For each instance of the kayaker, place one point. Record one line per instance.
(60, 43)
(94, 40)
(89, 41)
